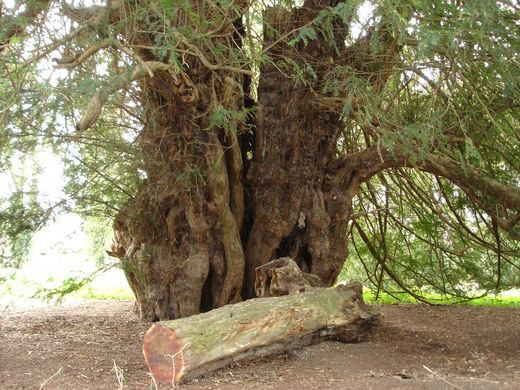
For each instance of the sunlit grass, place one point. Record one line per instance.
(112, 286)
(95, 293)
(499, 300)
(18, 289)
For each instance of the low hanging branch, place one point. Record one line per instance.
(486, 192)
(97, 102)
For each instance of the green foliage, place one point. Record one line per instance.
(114, 294)
(20, 217)
(68, 286)
(306, 35)
(446, 248)
(323, 25)
(222, 118)
(100, 236)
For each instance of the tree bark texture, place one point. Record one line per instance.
(298, 211)
(185, 348)
(179, 238)
(219, 202)
(283, 277)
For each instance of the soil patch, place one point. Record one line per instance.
(86, 346)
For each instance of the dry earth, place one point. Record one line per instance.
(415, 347)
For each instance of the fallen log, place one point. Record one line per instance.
(185, 348)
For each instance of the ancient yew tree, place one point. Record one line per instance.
(220, 135)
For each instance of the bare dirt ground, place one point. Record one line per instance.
(415, 347)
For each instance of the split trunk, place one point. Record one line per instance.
(221, 200)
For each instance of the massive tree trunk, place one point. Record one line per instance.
(226, 192)
(201, 224)
(179, 238)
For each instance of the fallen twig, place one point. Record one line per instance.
(42, 385)
(119, 375)
(441, 378)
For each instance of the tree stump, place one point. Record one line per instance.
(185, 348)
(283, 277)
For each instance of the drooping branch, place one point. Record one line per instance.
(383, 263)
(486, 192)
(116, 83)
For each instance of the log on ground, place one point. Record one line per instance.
(182, 349)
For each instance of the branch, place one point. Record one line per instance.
(468, 176)
(384, 266)
(71, 62)
(97, 102)
(196, 52)
(82, 14)
(489, 194)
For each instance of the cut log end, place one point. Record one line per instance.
(163, 354)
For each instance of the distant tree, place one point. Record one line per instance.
(222, 134)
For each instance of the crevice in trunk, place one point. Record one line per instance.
(221, 200)
(304, 260)
(206, 302)
(295, 140)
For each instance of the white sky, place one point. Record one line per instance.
(365, 13)
(9, 3)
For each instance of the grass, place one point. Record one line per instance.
(90, 292)
(16, 285)
(499, 300)
(116, 294)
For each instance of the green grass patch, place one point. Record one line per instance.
(499, 300)
(16, 285)
(115, 294)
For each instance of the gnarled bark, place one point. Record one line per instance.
(283, 277)
(299, 210)
(179, 237)
(201, 224)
